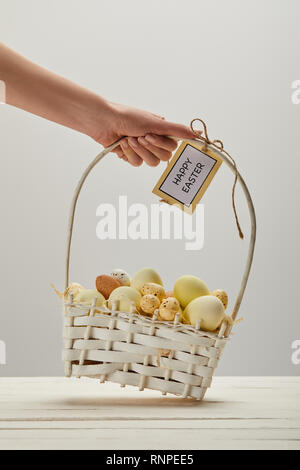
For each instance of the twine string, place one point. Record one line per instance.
(218, 144)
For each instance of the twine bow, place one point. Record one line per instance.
(218, 144)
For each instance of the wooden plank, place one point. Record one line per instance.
(161, 437)
(238, 413)
(38, 444)
(131, 439)
(259, 424)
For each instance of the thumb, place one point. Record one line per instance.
(163, 127)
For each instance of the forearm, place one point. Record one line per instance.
(41, 92)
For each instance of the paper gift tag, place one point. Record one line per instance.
(188, 175)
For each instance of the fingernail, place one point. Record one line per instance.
(133, 141)
(150, 138)
(143, 141)
(124, 144)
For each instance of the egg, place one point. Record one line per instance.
(125, 295)
(122, 276)
(72, 289)
(154, 289)
(189, 287)
(86, 296)
(149, 303)
(209, 309)
(169, 293)
(106, 284)
(222, 295)
(144, 276)
(168, 309)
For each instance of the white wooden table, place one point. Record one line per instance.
(237, 413)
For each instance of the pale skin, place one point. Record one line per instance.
(41, 92)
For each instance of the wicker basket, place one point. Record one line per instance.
(130, 349)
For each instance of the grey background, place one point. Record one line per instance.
(229, 62)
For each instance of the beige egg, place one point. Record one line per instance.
(209, 309)
(86, 296)
(122, 276)
(222, 295)
(72, 289)
(154, 289)
(125, 296)
(144, 276)
(189, 287)
(168, 309)
(149, 303)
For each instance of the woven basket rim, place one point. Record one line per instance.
(147, 321)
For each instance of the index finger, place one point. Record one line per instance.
(173, 129)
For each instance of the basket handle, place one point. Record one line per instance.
(243, 186)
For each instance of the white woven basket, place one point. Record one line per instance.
(130, 349)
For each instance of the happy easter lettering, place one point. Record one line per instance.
(187, 176)
(192, 178)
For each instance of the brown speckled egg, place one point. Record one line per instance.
(149, 303)
(106, 284)
(168, 309)
(222, 295)
(169, 293)
(154, 289)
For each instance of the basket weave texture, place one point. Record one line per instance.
(131, 349)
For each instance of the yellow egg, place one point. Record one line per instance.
(154, 289)
(188, 288)
(86, 296)
(125, 295)
(149, 303)
(222, 295)
(168, 309)
(209, 309)
(144, 276)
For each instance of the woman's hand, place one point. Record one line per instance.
(147, 134)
